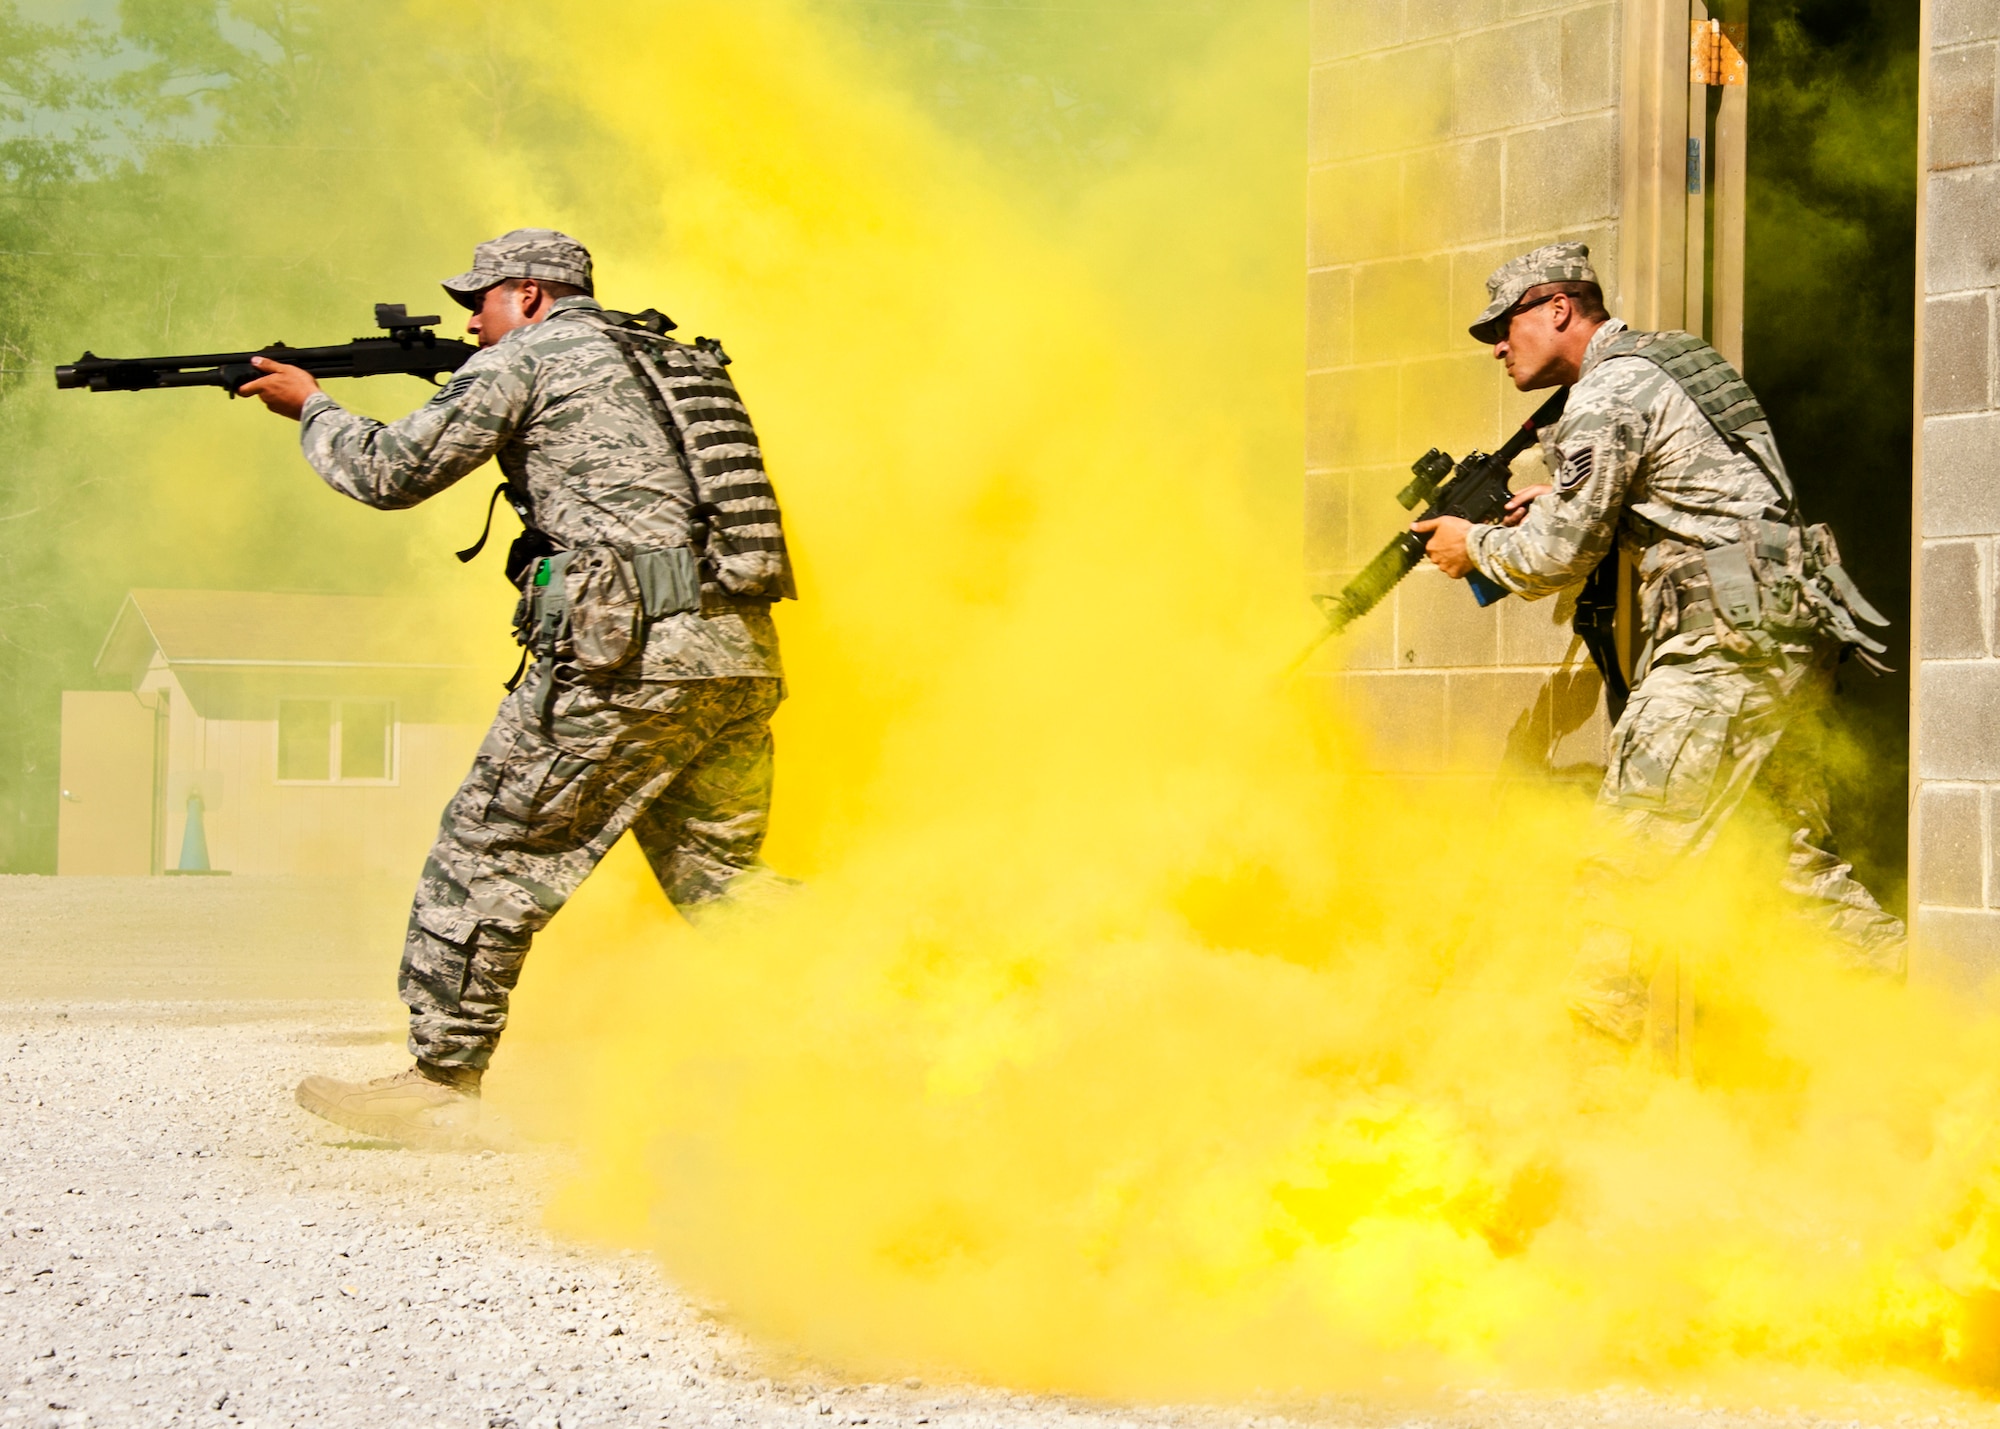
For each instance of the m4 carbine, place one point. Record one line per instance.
(1475, 489)
(411, 347)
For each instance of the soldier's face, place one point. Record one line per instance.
(1533, 346)
(502, 308)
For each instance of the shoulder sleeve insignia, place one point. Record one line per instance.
(1575, 470)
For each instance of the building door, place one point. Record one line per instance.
(108, 820)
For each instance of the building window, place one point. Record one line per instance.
(305, 741)
(366, 729)
(336, 742)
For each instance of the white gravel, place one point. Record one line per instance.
(179, 1244)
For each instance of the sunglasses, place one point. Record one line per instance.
(1507, 322)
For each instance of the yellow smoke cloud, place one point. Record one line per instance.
(1127, 1038)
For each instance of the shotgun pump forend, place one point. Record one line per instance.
(412, 347)
(1475, 489)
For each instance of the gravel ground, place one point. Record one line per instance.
(179, 1244)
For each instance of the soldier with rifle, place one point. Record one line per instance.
(1663, 452)
(651, 554)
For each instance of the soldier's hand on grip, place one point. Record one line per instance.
(1446, 549)
(285, 390)
(1518, 503)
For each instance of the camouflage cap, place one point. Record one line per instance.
(524, 253)
(1554, 263)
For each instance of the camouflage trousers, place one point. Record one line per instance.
(686, 766)
(1697, 740)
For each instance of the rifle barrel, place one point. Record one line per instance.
(1403, 554)
(413, 355)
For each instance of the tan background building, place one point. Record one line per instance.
(321, 736)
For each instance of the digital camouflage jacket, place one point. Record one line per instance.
(557, 405)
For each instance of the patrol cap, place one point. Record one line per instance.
(1553, 263)
(524, 253)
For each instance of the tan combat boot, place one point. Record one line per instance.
(432, 1108)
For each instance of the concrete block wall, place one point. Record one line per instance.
(1955, 850)
(1446, 136)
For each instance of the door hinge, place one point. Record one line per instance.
(1716, 53)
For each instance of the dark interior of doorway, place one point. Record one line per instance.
(1829, 343)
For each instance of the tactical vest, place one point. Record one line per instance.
(592, 607)
(739, 531)
(736, 530)
(1779, 589)
(1712, 384)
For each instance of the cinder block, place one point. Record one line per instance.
(1961, 107)
(1427, 19)
(1958, 353)
(1440, 626)
(1495, 719)
(1451, 196)
(1953, 948)
(1329, 318)
(1450, 402)
(1508, 76)
(1957, 732)
(1380, 103)
(1326, 495)
(1351, 27)
(1563, 176)
(1353, 212)
(1537, 632)
(1990, 825)
(1963, 247)
(1954, 22)
(1329, 99)
(1401, 309)
(1589, 59)
(1954, 592)
(1403, 717)
(1954, 605)
(1961, 476)
(1351, 418)
(1949, 851)
(1409, 95)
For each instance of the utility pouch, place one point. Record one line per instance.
(541, 620)
(607, 623)
(669, 581)
(541, 625)
(1739, 614)
(1838, 601)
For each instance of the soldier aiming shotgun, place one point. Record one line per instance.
(411, 348)
(652, 553)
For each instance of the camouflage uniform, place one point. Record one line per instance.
(675, 744)
(1715, 711)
